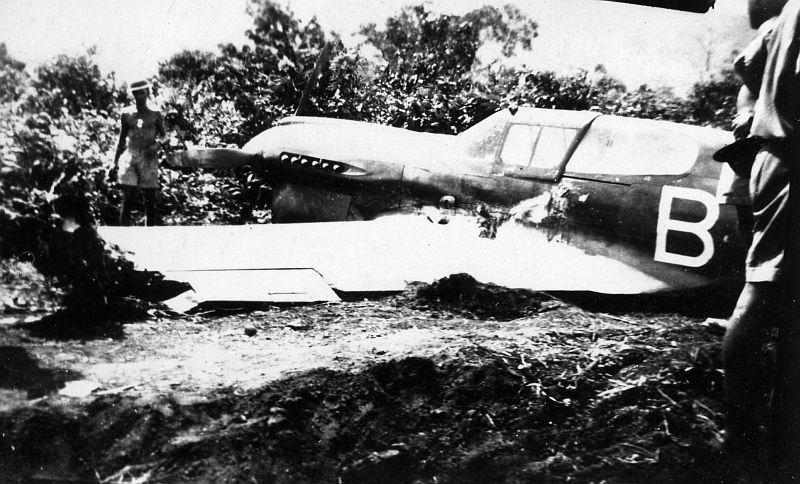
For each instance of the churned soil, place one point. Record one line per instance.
(452, 382)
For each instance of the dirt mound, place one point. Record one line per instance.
(75, 284)
(461, 293)
(24, 290)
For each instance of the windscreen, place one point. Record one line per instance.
(481, 141)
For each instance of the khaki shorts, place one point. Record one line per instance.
(138, 170)
(769, 187)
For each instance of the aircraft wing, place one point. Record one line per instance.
(295, 263)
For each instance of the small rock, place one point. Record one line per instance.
(389, 466)
(277, 421)
(79, 388)
(298, 325)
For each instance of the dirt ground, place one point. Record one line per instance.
(454, 382)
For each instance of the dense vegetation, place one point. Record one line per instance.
(421, 70)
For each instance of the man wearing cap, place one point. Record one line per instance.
(140, 131)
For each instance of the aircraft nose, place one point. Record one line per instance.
(318, 164)
(268, 144)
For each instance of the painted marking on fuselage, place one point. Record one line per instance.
(699, 229)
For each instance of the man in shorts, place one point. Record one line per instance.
(141, 129)
(769, 296)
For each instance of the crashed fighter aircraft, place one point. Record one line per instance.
(537, 199)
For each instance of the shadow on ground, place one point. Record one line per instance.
(476, 416)
(717, 301)
(19, 371)
(104, 319)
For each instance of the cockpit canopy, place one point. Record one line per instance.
(543, 144)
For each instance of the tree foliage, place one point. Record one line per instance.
(69, 85)
(422, 47)
(428, 81)
(249, 87)
(713, 102)
(13, 77)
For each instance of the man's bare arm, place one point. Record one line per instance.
(745, 104)
(123, 136)
(161, 130)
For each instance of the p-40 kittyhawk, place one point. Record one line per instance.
(534, 198)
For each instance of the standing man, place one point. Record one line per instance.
(139, 134)
(769, 297)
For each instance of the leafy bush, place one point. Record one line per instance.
(69, 85)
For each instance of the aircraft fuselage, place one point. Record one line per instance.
(636, 192)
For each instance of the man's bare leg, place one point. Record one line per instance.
(744, 377)
(150, 206)
(127, 205)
